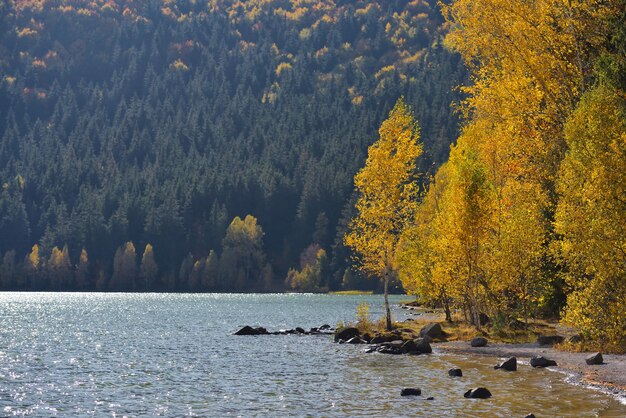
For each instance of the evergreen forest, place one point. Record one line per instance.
(203, 145)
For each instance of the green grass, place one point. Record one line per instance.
(352, 292)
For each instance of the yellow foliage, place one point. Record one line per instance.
(591, 216)
(387, 191)
(283, 67)
(179, 65)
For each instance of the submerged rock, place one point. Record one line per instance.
(478, 393)
(411, 392)
(510, 365)
(595, 358)
(542, 362)
(478, 342)
(455, 373)
(432, 330)
(347, 333)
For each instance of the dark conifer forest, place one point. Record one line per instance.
(203, 145)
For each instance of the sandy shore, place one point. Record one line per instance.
(609, 377)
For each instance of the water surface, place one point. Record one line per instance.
(82, 354)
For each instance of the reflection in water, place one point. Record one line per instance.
(163, 354)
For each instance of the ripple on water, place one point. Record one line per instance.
(72, 354)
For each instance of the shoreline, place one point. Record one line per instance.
(609, 377)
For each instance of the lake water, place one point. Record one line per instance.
(84, 354)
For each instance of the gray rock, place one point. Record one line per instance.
(355, 340)
(432, 330)
(542, 362)
(247, 330)
(510, 365)
(423, 346)
(411, 392)
(595, 358)
(410, 347)
(455, 373)
(379, 339)
(549, 339)
(389, 350)
(478, 393)
(478, 342)
(324, 327)
(347, 333)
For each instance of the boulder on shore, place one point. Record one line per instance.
(346, 333)
(478, 342)
(478, 393)
(455, 373)
(541, 362)
(411, 392)
(510, 365)
(432, 330)
(595, 358)
(549, 339)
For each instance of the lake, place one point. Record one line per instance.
(86, 354)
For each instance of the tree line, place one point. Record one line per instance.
(159, 122)
(527, 217)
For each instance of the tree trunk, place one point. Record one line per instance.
(446, 306)
(387, 310)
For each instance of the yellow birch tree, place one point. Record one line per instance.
(387, 196)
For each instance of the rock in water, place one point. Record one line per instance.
(355, 340)
(542, 362)
(455, 373)
(346, 333)
(423, 346)
(410, 392)
(300, 330)
(595, 358)
(247, 330)
(478, 393)
(509, 365)
(530, 416)
(549, 339)
(409, 347)
(478, 342)
(432, 330)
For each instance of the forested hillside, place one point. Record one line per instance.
(137, 136)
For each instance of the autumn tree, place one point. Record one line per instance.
(124, 268)
(32, 264)
(242, 259)
(148, 269)
(591, 216)
(59, 268)
(82, 270)
(387, 196)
